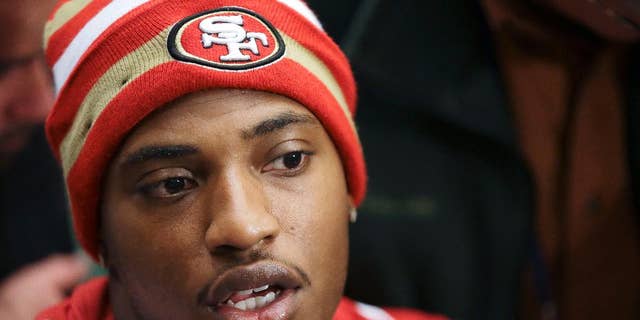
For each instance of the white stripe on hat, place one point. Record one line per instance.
(372, 313)
(88, 35)
(301, 8)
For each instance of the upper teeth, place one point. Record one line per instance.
(254, 302)
(250, 291)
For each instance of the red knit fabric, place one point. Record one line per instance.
(166, 13)
(347, 310)
(89, 301)
(62, 37)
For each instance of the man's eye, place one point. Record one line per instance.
(291, 161)
(169, 187)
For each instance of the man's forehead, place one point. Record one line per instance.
(233, 113)
(252, 106)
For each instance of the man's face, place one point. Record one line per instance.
(226, 200)
(617, 20)
(26, 90)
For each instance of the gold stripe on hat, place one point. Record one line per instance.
(152, 54)
(300, 54)
(65, 13)
(148, 56)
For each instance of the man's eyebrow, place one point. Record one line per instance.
(277, 123)
(159, 153)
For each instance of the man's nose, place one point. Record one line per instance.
(240, 214)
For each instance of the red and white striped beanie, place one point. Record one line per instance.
(115, 62)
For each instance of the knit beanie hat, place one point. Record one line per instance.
(115, 62)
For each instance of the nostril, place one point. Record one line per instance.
(248, 245)
(268, 239)
(225, 250)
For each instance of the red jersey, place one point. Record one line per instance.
(90, 301)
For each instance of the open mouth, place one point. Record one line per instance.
(265, 290)
(252, 299)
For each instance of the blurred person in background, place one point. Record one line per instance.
(33, 210)
(503, 147)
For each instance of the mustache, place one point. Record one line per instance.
(232, 261)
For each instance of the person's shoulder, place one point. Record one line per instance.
(59, 311)
(410, 314)
(88, 302)
(353, 310)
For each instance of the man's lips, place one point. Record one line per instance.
(252, 286)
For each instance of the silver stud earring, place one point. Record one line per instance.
(353, 215)
(101, 261)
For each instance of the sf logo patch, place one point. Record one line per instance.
(228, 38)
